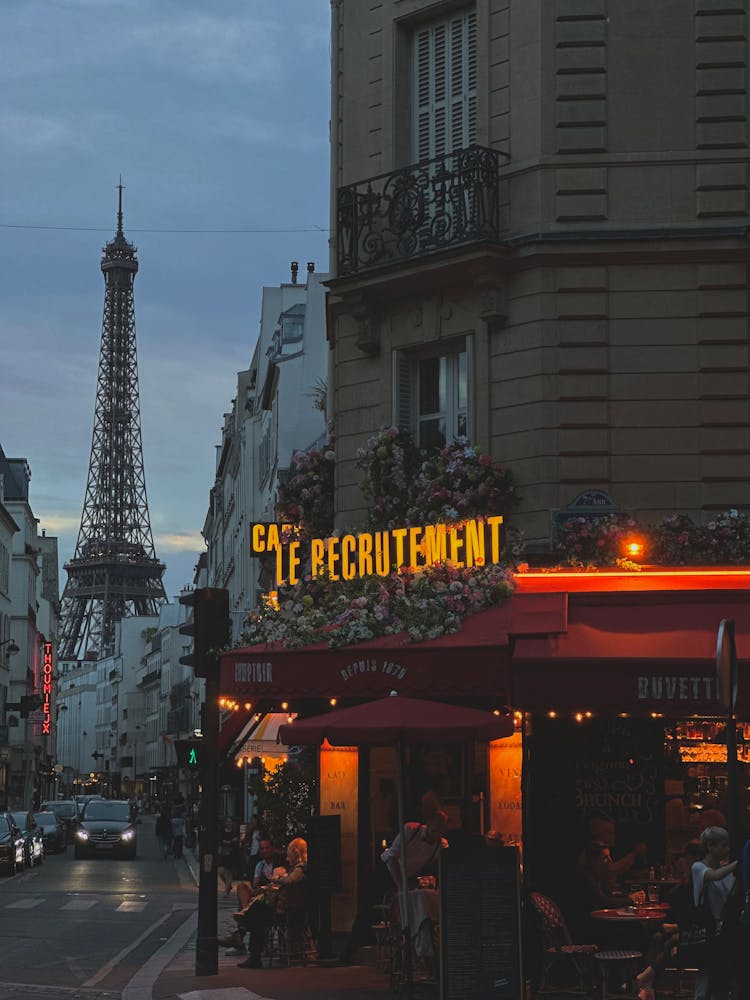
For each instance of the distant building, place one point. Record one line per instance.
(32, 625)
(279, 409)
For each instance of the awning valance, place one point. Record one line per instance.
(633, 656)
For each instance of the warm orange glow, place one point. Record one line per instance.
(552, 715)
(649, 578)
(284, 706)
(634, 548)
(588, 715)
(579, 716)
(332, 702)
(222, 702)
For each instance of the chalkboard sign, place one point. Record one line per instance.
(325, 852)
(480, 925)
(619, 773)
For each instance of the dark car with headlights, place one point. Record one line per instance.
(32, 835)
(12, 845)
(66, 811)
(107, 827)
(53, 832)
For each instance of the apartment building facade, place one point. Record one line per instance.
(539, 219)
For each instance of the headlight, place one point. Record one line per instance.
(82, 835)
(128, 835)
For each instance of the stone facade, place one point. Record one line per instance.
(606, 323)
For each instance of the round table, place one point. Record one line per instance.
(632, 914)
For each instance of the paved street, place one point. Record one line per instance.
(119, 930)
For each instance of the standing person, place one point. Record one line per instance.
(713, 882)
(423, 841)
(178, 833)
(164, 832)
(228, 849)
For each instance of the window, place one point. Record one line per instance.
(432, 393)
(444, 102)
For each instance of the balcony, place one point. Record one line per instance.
(440, 204)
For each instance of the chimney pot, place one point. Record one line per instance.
(295, 269)
(310, 266)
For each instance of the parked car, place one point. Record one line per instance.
(65, 810)
(53, 832)
(32, 835)
(12, 845)
(107, 826)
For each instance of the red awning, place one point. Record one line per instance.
(473, 662)
(633, 656)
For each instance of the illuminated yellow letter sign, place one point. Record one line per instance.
(464, 544)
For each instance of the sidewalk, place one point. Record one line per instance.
(177, 979)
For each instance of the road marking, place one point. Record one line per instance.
(80, 904)
(141, 985)
(25, 904)
(106, 969)
(132, 906)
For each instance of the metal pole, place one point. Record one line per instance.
(404, 894)
(206, 944)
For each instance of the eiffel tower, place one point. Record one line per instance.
(114, 572)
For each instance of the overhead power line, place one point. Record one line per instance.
(98, 229)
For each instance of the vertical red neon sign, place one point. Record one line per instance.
(47, 688)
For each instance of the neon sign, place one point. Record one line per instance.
(474, 542)
(47, 689)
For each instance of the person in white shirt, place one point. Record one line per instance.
(713, 881)
(422, 843)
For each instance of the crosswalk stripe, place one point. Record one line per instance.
(25, 904)
(80, 904)
(133, 906)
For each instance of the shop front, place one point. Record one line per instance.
(478, 786)
(625, 726)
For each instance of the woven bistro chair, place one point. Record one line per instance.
(559, 949)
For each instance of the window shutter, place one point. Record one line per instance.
(444, 102)
(402, 392)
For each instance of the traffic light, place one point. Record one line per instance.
(209, 627)
(29, 703)
(189, 753)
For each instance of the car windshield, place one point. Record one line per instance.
(20, 820)
(64, 808)
(46, 819)
(119, 811)
(3, 825)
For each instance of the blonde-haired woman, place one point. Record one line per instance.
(713, 882)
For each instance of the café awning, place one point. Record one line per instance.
(471, 663)
(632, 655)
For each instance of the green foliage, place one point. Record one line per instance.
(288, 800)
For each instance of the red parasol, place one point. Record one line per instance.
(398, 721)
(389, 721)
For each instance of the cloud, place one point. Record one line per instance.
(62, 524)
(32, 130)
(179, 542)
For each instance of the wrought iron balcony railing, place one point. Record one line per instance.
(449, 201)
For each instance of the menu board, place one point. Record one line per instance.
(480, 924)
(619, 773)
(325, 852)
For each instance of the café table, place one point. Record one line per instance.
(639, 921)
(645, 914)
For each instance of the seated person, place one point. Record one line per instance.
(600, 878)
(258, 915)
(665, 940)
(250, 895)
(422, 843)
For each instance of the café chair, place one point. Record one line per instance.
(623, 965)
(559, 948)
(290, 939)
